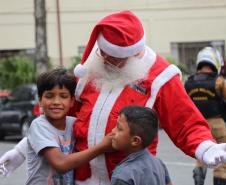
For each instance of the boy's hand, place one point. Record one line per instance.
(10, 161)
(106, 143)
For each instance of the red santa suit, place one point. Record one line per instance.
(161, 90)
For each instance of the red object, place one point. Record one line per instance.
(36, 110)
(4, 93)
(179, 117)
(119, 35)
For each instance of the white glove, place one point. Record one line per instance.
(12, 159)
(215, 155)
(211, 154)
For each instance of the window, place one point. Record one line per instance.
(186, 52)
(8, 53)
(81, 50)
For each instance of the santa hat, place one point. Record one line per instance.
(119, 35)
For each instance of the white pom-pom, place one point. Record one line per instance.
(80, 71)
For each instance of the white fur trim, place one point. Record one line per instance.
(160, 80)
(97, 126)
(118, 51)
(101, 111)
(202, 148)
(80, 71)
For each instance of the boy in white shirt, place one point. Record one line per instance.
(50, 157)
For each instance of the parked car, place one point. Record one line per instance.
(4, 94)
(21, 108)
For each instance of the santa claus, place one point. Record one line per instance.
(118, 70)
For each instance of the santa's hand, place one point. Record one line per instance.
(211, 154)
(10, 161)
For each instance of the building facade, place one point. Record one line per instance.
(173, 27)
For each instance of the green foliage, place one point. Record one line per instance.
(74, 61)
(16, 70)
(181, 66)
(49, 64)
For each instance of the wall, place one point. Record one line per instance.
(165, 21)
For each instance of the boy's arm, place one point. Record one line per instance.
(63, 162)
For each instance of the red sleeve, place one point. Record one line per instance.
(180, 118)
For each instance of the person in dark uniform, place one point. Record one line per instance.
(207, 89)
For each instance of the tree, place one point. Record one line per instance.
(42, 61)
(16, 70)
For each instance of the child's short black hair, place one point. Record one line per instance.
(142, 122)
(56, 77)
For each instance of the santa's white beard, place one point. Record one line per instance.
(104, 76)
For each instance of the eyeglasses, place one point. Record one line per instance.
(118, 62)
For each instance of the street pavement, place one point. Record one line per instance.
(179, 165)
